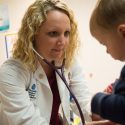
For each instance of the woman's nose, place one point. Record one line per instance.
(61, 40)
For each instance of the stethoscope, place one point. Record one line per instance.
(62, 76)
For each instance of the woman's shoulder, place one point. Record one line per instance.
(12, 63)
(76, 67)
(13, 66)
(76, 64)
(13, 70)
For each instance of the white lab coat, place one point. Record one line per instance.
(21, 104)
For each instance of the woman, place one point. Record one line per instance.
(31, 92)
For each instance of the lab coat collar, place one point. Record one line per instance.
(63, 91)
(41, 76)
(64, 94)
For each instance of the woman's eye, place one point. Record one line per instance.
(53, 33)
(67, 33)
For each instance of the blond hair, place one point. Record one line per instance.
(31, 23)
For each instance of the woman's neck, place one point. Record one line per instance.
(48, 70)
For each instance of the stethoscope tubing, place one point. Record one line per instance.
(62, 76)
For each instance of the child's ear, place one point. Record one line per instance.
(121, 30)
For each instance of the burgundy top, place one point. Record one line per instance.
(56, 100)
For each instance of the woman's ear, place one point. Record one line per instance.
(121, 30)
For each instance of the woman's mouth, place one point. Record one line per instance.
(58, 50)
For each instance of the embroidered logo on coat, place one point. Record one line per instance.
(32, 91)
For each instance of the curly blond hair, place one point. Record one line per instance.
(31, 23)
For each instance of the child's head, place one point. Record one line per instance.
(107, 25)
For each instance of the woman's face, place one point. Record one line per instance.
(113, 41)
(53, 37)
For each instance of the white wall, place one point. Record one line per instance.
(100, 68)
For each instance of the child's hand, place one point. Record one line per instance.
(109, 89)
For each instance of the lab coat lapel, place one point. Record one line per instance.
(41, 76)
(64, 95)
(61, 85)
